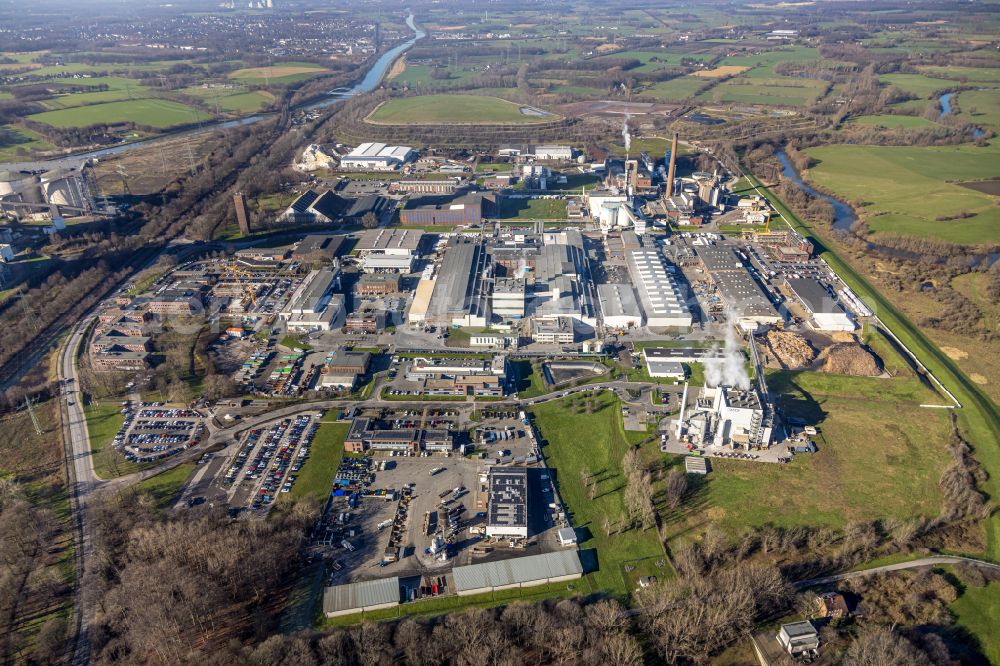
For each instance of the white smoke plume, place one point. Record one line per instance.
(728, 370)
(625, 134)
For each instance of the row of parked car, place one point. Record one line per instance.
(288, 459)
(151, 446)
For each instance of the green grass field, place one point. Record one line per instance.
(15, 139)
(973, 74)
(779, 91)
(103, 422)
(532, 209)
(599, 452)
(231, 101)
(682, 87)
(981, 107)
(907, 188)
(893, 122)
(315, 479)
(165, 487)
(156, 113)
(451, 109)
(978, 419)
(868, 466)
(279, 73)
(916, 84)
(978, 611)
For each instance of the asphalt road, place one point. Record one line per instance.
(83, 483)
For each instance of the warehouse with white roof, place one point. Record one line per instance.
(659, 290)
(619, 306)
(517, 572)
(368, 595)
(375, 156)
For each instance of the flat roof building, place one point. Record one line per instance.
(463, 209)
(313, 305)
(820, 303)
(736, 287)
(619, 306)
(659, 289)
(389, 241)
(368, 595)
(460, 292)
(374, 156)
(316, 248)
(527, 571)
(507, 515)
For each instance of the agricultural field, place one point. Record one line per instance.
(779, 92)
(680, 88)
(15, 139)
(157, 113)
(893, 122)
(762, 65)
(906, 189)
(445, 109)
(599, 457)
(278, 73)
(719, 72)
(231, 101)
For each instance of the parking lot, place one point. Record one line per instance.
(152, 431)
(267, 461)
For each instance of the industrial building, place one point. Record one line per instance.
(368, 595)
(827, 314)
(461, 294)
(63, 190)
(660, 293)
(737, 289)
(374, 156)
(311, 207)
(665, 361)
(368, 434)
(508, 298)
(464, 209)
(388, 250)
(557, 567)
(429, 368)
(619, 306)
(507, 513)
(554, 331)
(377, 285)
(313, 306)
(725, 416)
(319, 248)
(540, 152)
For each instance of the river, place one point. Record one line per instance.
(843, 216)
(371, 80)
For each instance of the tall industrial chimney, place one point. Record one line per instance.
(673, 165)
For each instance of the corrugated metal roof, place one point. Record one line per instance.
(361, 595)
(517, 570)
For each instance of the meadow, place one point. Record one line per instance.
(598, 454)
(893, 122)
(157, 113)
(906, 188)
(451, 109)
(680, 88)
(315, 479)
(981, 107)
(278, 73)
(772, 91)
